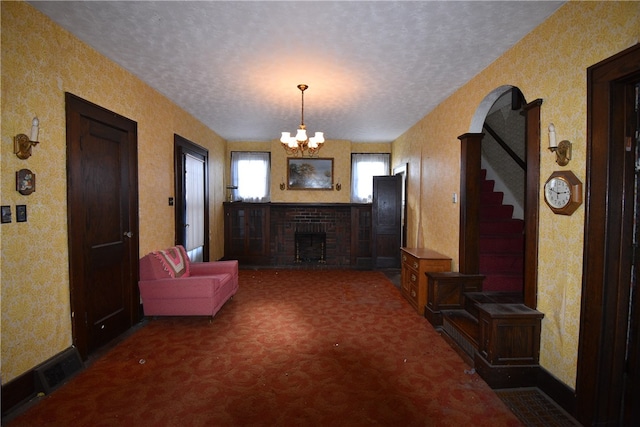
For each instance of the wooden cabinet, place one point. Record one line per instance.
(416, 262)
(508, 345)
(246, 232)
(446, 291)
(509, 334)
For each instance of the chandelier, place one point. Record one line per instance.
(301, 143)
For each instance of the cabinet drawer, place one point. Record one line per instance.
(410, 261)
(415, 263)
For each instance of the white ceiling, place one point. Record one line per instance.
(374, 68)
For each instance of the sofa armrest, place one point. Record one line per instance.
(215, 267)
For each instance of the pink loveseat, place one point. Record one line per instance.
(170, 285)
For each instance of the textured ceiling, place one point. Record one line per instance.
(373, 68)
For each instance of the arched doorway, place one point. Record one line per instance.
(471, 181)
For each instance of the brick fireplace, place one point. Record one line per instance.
(323, 231)
(330, 235)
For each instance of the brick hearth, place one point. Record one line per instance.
(334, 220)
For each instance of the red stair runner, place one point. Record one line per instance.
(501, 242)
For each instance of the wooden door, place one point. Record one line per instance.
(608, 368)
(386, 216)
(103, 223)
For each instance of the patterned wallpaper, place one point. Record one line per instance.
(40, 62)
(338, 150)
(549, 63)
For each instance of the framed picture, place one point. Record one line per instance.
(25, 182)
(309, 174)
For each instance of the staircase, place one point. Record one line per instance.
(501, 242)
(489, 322)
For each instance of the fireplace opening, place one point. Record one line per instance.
(310, 247)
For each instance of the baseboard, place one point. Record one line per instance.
(561, 393)
(18, 391)
(43, 378)
(506, 376)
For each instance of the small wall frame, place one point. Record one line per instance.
(25, 182)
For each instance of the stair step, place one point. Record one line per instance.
(501, 262)
(503, 282)
(472, 299)
(487, 186)
(496, 212)
(494, 297)
(463, 328)
(492, 198)
(496, 226)
(501, 243)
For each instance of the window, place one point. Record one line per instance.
(363, 168)
(250, 173)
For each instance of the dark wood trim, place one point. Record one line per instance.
(604, 299)
(562, 394)
(180, 147)
(470, 155)
(531, 113)
(18, 391)
(505, 376)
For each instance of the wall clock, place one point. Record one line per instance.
(563, 192)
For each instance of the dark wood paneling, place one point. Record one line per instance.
(531, 205)
(469, 250)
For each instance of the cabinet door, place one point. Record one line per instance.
(247, 233)
(236, 235)
(256, 235)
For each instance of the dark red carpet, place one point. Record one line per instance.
(293, 348)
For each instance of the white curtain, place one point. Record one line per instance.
(363, 168)
(194, 197)
(250, 172)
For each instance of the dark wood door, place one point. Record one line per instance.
(103, 223)
(608, 368)
(386, 216)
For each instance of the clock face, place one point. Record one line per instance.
(557, 191)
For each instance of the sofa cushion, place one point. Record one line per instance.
(174, 261)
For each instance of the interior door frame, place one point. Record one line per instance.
(605, 296)
(403, 170)
(76, 106)
(183, 146)
(470, 178)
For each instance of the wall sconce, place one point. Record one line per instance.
(22, 144)
(562, 148)
(338, 185)
(282, 185)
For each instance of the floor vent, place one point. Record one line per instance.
(57, 370)
(459, 339)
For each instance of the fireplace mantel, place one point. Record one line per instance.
(264, 233)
